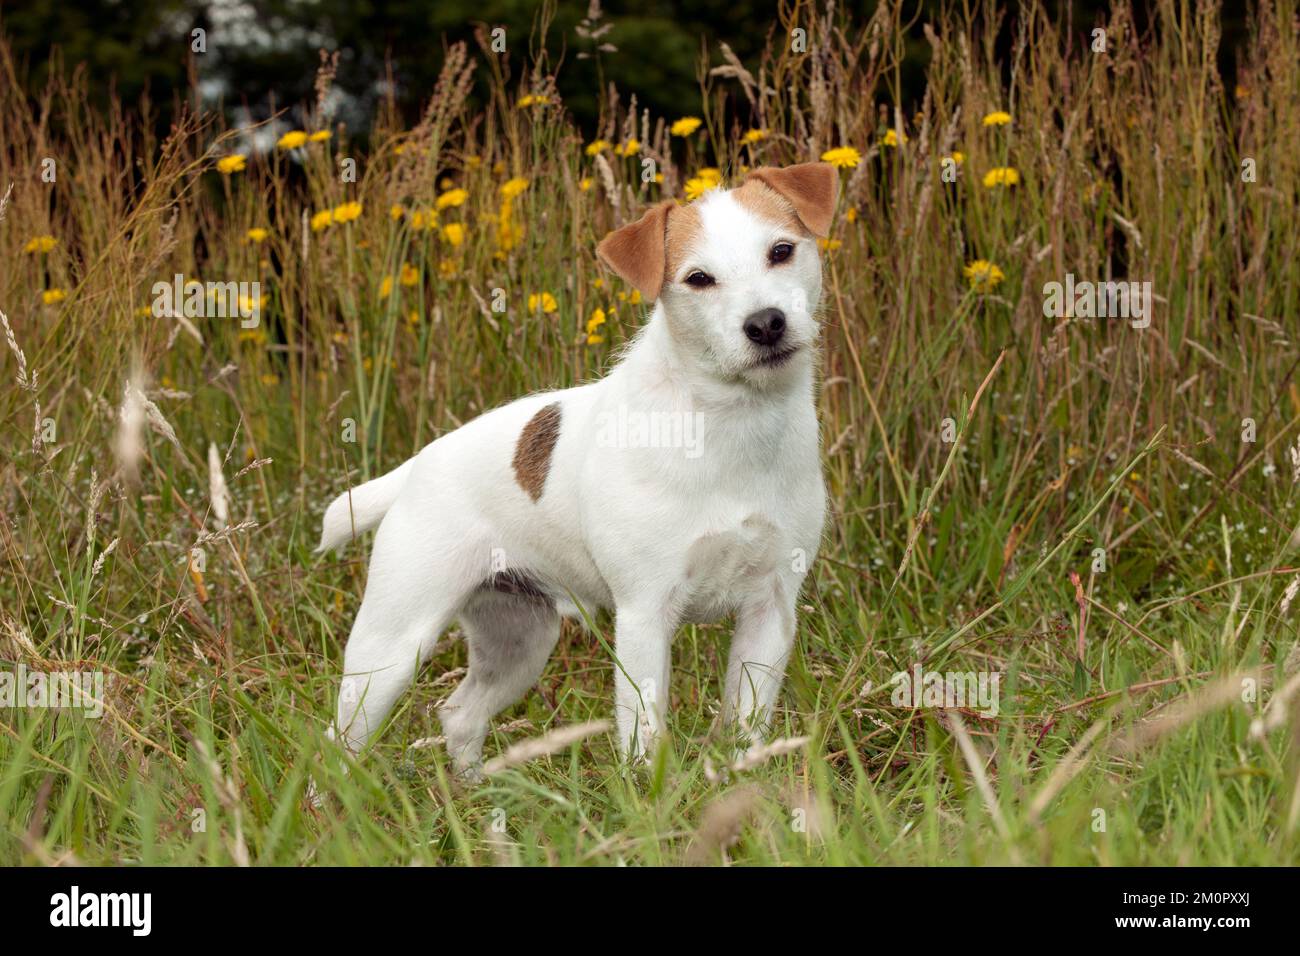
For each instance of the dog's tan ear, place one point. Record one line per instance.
(810, 188)
(637, 251)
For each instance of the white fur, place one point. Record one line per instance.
(659, 535)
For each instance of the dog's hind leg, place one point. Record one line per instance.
(420, 576)
(510, 636)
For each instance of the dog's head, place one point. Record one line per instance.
(737, 273)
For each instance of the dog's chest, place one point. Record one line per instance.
(726, 565)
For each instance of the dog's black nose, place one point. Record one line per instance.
(765, 327)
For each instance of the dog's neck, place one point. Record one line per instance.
(657, 363)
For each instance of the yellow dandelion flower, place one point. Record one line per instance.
(829, 245)
(395, 211)
(532, 99)
(891, 138)
(513, 187)
(685, 126)
(41, 244)
(347, 211)
(270, 378)
(711, 173)
(452, 197)
(53, 296)
(399, 149)
(413, 317)
(410, 275)
(596, 321)
(753, 136)
(321, 220)
(292, 139)
(320, 136)
(234, 163)
(697, 186)
(634, 297)
(630, 148)
(447, 268)
(386, 287)
(454, 233)
(851, 214)
(597, 146)
(957, 157)
(842, 157)
(542, 301)
(257, 235)
(983, 275)
(998, 118)
(424, 219)
(1001, 176)
(585, 183)
(255, 336)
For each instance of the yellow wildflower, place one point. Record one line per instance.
(513, 187)
(584, 183)
(395, 211)
(844, 157)
(542, 301)
(234, 163)
(532, 99)
(983, 275)
(321, 220)
(53, 296)
(257, 235)
(630, 148)
(1001, 176)
(452, 197)
(454, 233)
(891, 138)
(292, 139)
(598, 146)
(697, 186)
(753, 136)
(386, 287)
(447, 268)
(998, 118)
(320, 136)
(40, 244)
(410, 275)
(685, 126)
(596, 321)
(347, 211)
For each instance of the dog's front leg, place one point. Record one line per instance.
(760, 648)
(643, 645)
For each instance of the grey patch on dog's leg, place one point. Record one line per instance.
(510, 637)
(532, 459)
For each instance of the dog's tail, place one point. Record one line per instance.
(362, 508)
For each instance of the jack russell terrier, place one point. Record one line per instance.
(684, 486)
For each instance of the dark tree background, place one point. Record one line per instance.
(264, 53)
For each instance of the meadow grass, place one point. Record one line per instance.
(1127, 733)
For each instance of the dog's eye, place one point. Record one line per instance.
(780, 252)
(701, 280)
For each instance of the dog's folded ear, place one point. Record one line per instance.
(809, 187)
(636, 251)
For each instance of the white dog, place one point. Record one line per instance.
(683, 486)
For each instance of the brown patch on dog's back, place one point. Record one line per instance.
(532, 459)
(765, 202)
